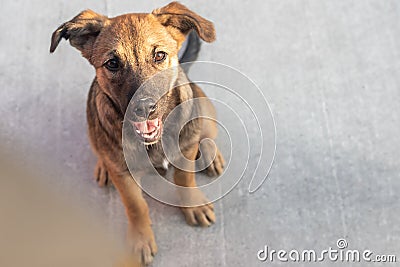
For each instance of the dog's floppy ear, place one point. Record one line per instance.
(178, 16)
(81, 31)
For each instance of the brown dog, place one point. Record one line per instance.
(126, 51)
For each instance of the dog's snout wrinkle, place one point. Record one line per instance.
(144, 107)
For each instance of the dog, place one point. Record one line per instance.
(126, 51)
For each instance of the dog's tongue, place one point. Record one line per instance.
(147, 126)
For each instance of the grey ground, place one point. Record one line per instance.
(331, 73)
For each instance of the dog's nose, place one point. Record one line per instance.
(144, 107)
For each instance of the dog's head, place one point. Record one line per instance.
(129, 49)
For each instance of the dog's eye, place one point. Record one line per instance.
(112, 64)
(160, 56)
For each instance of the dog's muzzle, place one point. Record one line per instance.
(149, 130)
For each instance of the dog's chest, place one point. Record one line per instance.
(158, 158)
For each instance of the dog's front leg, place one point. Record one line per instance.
(140, 236)
(194, 203)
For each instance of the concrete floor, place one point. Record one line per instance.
(331, 73)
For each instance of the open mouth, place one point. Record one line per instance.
(149, 130)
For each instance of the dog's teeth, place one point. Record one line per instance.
(138, 131)
(153, 134)
(150, 135)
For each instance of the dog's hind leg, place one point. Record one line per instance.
(209, 153)
(101, 174)
(211, 157)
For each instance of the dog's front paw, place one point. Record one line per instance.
(201, 215)
(101, 174)
(142, 242)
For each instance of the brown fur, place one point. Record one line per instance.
(132, 38)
